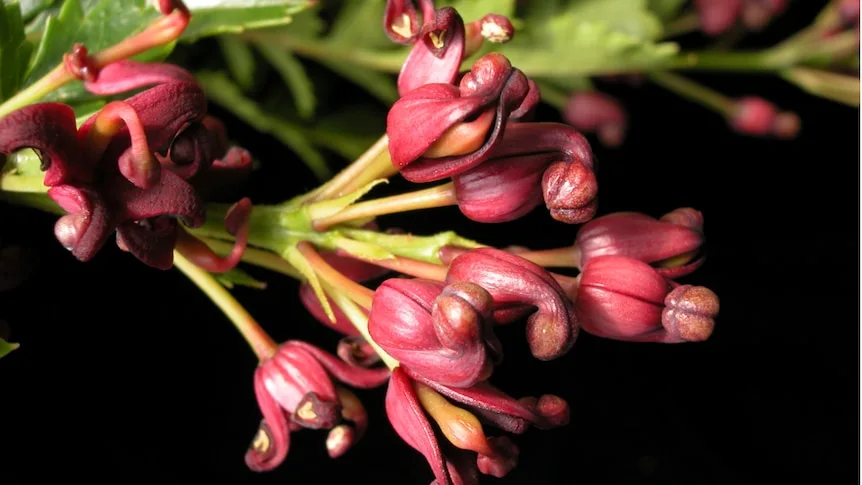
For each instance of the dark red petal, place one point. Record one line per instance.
(355, 376)
(409, 421)
(95, 224)
(270, 447)
(171, 196)
(50, 129)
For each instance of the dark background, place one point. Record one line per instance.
(128, 374)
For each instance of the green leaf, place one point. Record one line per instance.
(214, 17)
(6, 347)
(666, 9)
(240, 60)
(239, 277)
(225, 93)
(14, 50)
(588, 37)
(294, 76)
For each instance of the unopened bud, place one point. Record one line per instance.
(690, 313)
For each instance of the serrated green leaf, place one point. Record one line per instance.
(239, 59)
(588, 37)
(294, 76)
(14, 50)
(225, 93)
(6, 347)
(215, 17)
(239, 277)
(666, 9)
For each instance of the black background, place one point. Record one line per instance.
(128, 374)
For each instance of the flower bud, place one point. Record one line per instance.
(439, 332)
(511, 280)
(718, 16)
(672, 243)
(501, 189)
(689, 313)
(757, 117)
(457, 125)
(595, 112)
(620, 298)
(756, 14)
(570, 191)
(492, 27)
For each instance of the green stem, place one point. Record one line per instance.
(440, 196)
(257, 257)
(371, 165)
(259, 341)
(684, 24)
(38, 90)
(830, 85)
(693, 91)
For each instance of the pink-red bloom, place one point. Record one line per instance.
(443, 332)
(599, 113)
(439, 130)
(515, 282)
(295, 389)
(756, 116)
(672, 244)
(625, 299)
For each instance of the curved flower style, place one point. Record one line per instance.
(295, 390)
(439, 130)
(441, 332)
(671, 244)
(625, 299)
(532, 162)
(515, 282)
(125, 168)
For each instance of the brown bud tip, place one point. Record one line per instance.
(690, 312)
(570, 190)
(314, 413)
(496, 28)
(787, 125)
(548, 336)
(554, 409)
(504, 459)
(339, 440)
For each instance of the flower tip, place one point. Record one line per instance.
(689, 313)
(502, 461)
(262, 455)
(68, 230)
(496, 28)
(315, 413)
(339, 440)
(685, 216)
(570, 190)
(549, 336)
(238, 216)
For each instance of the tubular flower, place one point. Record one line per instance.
(515, 282)
(671, 244)
(443, 332)
(596, 112)
(295, 390)
(439, 130)
(533, 161)
(126, 168)
(625, 299)
(437, 53)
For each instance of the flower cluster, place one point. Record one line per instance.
(136, 165)
(141, 167)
